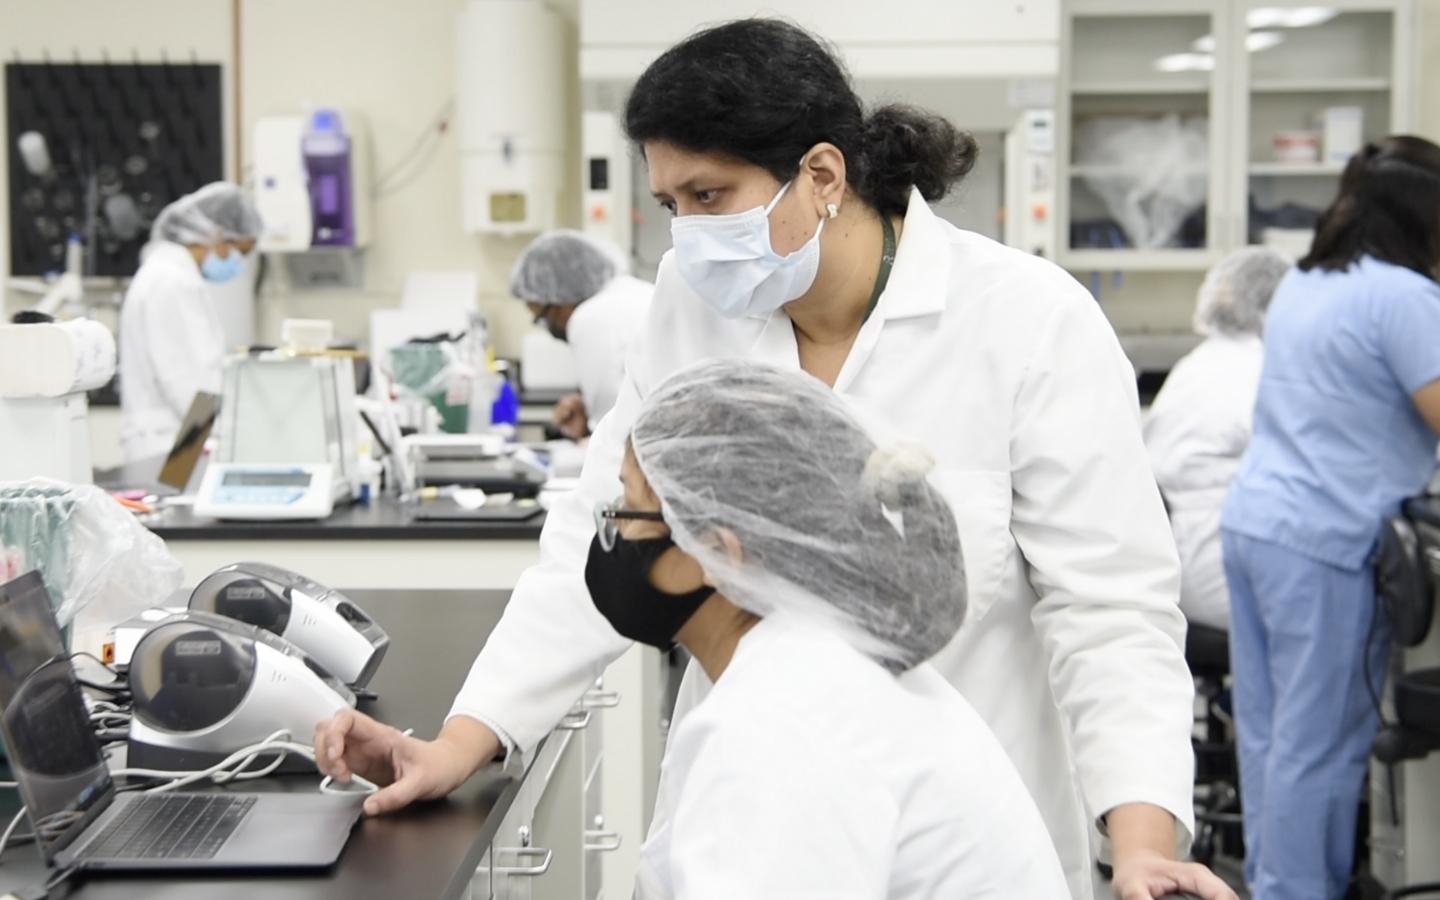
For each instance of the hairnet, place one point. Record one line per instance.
(1237, 291)
(563, 267)
(830, 526)
(217, 212)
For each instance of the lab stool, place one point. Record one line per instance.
(1217, 793)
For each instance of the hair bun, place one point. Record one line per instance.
(906, 147)
(891, 469)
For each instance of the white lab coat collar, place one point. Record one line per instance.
(920, 280)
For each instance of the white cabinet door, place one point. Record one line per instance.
(1313, 84)
(1144, 110)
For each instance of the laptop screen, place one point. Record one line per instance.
(190, 441)
(56, 759)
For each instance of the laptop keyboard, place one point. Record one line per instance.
(171, 826)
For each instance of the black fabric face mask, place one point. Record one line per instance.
(619, 583)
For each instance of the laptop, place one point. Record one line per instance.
(79, 819)
(184, 454)
(447, 510)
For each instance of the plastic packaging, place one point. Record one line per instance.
(92, 553)
(1150, 172)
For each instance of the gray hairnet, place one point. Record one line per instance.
(563, 267)
(217, 212)
(830, 526)
(1237, 291)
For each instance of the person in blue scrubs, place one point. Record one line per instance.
(1345, 429)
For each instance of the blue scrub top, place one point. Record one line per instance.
(1338, 442)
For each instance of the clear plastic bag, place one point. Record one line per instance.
(91, 552)
(1150, 172)
(452, 375)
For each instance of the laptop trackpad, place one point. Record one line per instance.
(308, 829)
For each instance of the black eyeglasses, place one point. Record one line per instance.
(607, 521)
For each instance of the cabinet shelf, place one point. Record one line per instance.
(1139, 88)
(1319, 85)
(1112, 171)
(1296, 170)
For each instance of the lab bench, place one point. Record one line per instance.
(432, 849)
(374, 546)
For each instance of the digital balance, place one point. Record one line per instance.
(257, 491)
(287, 443)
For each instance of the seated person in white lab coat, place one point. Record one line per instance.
(171, 341)
(1199, 425)
(577, 287)
(811, 573)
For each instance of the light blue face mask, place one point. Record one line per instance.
(729, 262)
(221, 269)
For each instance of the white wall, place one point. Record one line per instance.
(1429, 55)
(393, 61)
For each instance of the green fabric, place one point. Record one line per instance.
(421, 368)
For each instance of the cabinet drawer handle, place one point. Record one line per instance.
(600, 699)
(544, 855)
(577, 721)
(602, 841)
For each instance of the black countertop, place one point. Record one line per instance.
(429, 850)
(384, 519)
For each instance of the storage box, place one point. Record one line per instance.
(1342, 129)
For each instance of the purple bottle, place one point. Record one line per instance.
(327, 150)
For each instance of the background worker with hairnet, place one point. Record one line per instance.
(171, 342)
(1199, 425)
(576, 286)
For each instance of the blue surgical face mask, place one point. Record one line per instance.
(730, 263)
(221, 269)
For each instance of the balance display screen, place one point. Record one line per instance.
(266, 479)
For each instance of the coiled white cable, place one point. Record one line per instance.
(235, 767)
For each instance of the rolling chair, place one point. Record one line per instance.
(1218, 826)
(1407, 572)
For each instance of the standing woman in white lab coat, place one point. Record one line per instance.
(575, 286)
(804, 238)
(1199, 425)
(171, 342)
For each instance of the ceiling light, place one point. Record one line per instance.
(1290, 17)
(1185, 62)
(1256, 41)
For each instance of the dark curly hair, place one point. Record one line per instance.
(766, 91)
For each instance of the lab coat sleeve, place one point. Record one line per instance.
(769, 820)
(1089, 521)
(599, 366)
(551, 643)
(179, 333)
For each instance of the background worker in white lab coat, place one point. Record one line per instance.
(574, 285)
(171, 342)
(1199, 425)
(811, 573)
(803, 238)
